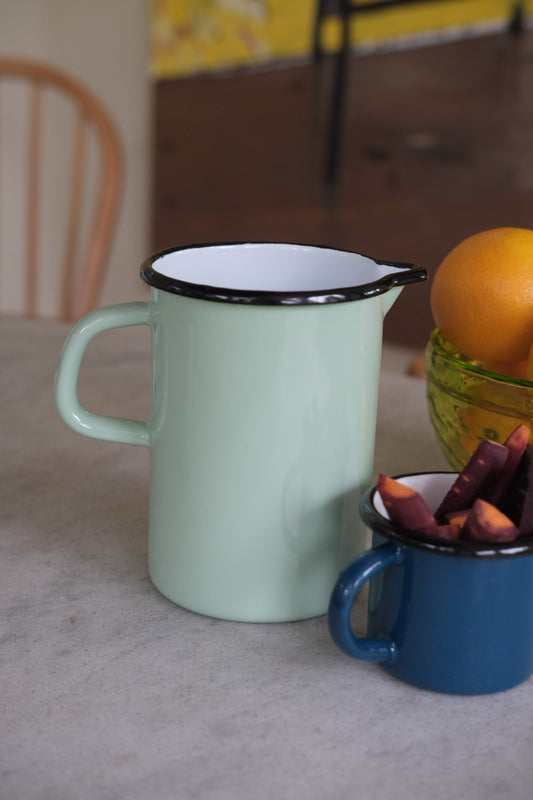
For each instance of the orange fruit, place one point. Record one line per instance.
(482, 295)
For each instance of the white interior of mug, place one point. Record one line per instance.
(431, 485)
(270, 267)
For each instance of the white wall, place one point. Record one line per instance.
(105, 44)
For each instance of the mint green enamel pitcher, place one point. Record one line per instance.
(265, 369)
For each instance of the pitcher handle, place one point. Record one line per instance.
(347, 588)
(76, 416)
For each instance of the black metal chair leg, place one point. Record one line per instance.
(319, 16)
(337, 105)
(516, 23)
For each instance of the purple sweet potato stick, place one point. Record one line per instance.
(485, 463)
(512, 503)
(525, 525)
(498, 486)
(404, 505)
(458, 517)
(486, 523)
(449, 531)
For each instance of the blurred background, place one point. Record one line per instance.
(224, 114)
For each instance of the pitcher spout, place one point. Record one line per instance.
(398, 275)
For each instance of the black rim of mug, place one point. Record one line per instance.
(462, 549)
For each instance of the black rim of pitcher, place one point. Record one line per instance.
(407, 273)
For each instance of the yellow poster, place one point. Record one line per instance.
(195, 36)
(190, 36)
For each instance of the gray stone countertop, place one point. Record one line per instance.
(111, 692)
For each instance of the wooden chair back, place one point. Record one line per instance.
(60, 179)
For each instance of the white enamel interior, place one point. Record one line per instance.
(432, 486)
(270, 267)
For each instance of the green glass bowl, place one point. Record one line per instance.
(467, 403)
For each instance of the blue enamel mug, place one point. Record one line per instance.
(447, 616)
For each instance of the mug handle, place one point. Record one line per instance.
(97, 426)
(346, 589)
